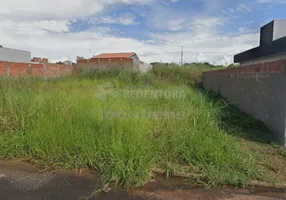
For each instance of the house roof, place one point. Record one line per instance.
(272, 41)
(278, 46)
(115, 55)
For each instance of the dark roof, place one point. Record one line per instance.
(278, 46)
(272, 41)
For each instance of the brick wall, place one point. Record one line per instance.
(40, 60)
(104, 63)
(82, 61)
(2, 69)
(18, 69)
(258, 90)
(65, 70)
(37, 70)
(51, 70)
(275, 66)
(32, 69)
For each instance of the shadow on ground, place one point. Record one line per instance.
(236, 122)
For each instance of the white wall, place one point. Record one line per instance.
(279, 29)
(14, 55)
(144, 67)
(136, 61)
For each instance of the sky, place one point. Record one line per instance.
(210, 30)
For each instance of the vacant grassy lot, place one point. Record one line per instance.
(124, 124)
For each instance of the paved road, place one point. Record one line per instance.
(20, 181)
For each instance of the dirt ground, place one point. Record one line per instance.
(21, 181)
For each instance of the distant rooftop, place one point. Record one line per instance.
(115, 55)
(272, 41)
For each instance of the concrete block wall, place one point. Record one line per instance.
(31, 69)
(259, 91)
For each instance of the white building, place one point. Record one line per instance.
(14, 55)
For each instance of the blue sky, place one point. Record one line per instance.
(209, 30)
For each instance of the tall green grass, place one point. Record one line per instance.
(61, 123)
(186, 74)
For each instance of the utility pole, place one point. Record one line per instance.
(182, 55)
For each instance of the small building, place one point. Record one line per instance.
(14, 55)
(108, 61)
(68, 62)
(40, 60)
(272, 46)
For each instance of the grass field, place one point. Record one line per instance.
(124, 124)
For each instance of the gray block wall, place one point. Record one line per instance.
(261, 95)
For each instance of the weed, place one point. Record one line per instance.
(60, 123)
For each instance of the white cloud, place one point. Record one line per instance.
(32, 28)
(42, 27)
(126, 20)
(208, 45)
(57, 9)
(176, 24)
(272, 1)
(213, 5)
(185, 23)
(208, 22)
(200, 44)
(244, 7)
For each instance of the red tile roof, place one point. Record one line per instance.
(114, 55)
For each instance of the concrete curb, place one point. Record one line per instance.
(276, 186)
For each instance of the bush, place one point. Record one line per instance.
(187, 74)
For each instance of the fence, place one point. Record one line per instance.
(105, 63)
(259, 90)
(12, 69)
